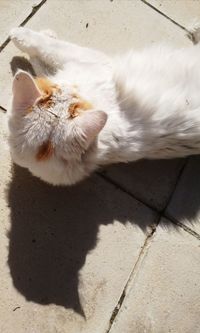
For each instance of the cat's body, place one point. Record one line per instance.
(141, 105)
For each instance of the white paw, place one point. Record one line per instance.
(23, 39)
(18, 33)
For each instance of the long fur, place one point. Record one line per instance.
(97, 110)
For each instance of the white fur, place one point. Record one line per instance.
(151, 98)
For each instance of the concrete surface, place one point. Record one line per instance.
(183, 12)
(89, 258)
(163, 292)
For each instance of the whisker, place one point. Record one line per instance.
(124, 99)
(53, 114)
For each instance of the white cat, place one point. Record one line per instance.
(97, 110)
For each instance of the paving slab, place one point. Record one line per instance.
(164, 294)
(185, 203)
(184, 12)
(13, 13)
(66, 253)
(150, 181)
(89, 23)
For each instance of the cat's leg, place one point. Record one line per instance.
(50, 50)
(194, 34)
(49, 33)
(38, 45)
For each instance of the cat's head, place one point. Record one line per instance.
(52, 129)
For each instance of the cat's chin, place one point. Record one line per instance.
(55, 171)
(56, 181)
(65, 177)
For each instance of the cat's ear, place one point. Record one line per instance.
(91, 123)
(25, 91)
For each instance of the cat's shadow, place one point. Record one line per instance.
(53, 229)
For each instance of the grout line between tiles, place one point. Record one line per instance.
(140, 258)
(166, 16)
(163, 212)
(127, 192)
(132, 273)
(160, 212)
(175, 185)
(3, 45)
(190, 33)
(34, 10)
(182, 226)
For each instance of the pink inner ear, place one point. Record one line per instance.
(91, 124)
(25, 91)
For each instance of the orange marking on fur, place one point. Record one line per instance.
(45, 151)
(76, 108)
(47, 88)
(84, 105)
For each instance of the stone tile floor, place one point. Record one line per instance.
(119, 253)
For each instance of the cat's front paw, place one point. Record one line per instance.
(23, 39)
(19, 34)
